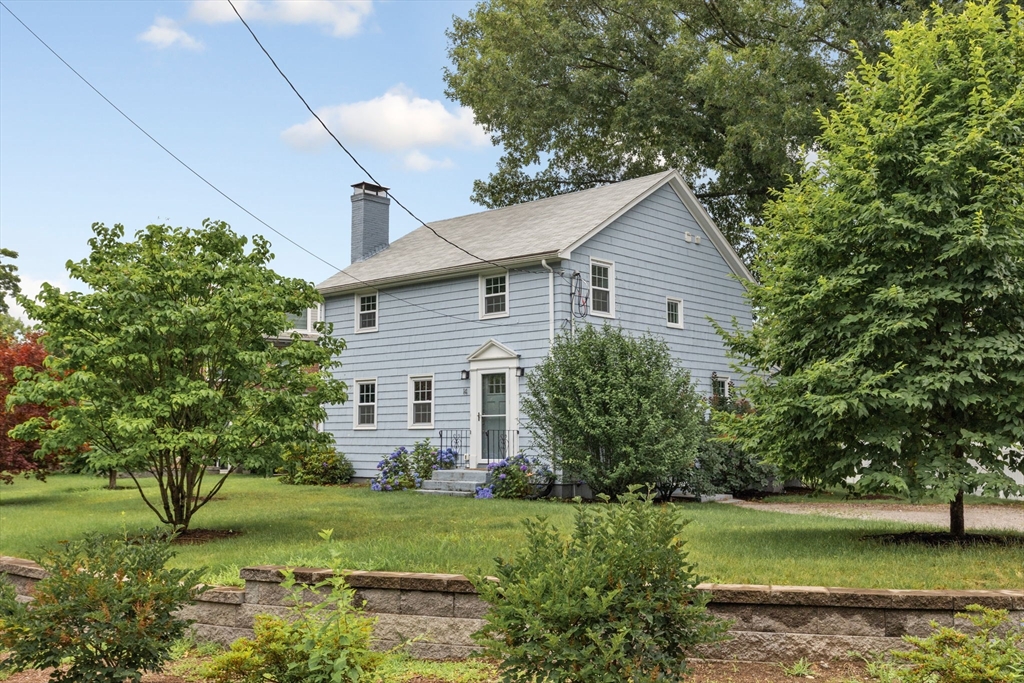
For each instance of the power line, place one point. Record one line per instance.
(224, 194)
(345, 149)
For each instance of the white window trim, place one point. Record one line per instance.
(482, 295)
(310, 322)
(722, 378)
(356, 403)
(433, 401)
(611, 287)
(356, 302)
(678, 300)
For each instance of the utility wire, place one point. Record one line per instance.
(345, 149)
(224, 194)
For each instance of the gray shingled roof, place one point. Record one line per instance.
(535, 229)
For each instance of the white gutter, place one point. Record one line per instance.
(551, 300)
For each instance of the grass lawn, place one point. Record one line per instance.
(412, 532)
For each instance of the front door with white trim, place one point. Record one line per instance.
(494, 403)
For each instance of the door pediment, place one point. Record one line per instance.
(492, 350)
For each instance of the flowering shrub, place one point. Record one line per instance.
(517, 477)
(396, 472)
(445, 459)
(316, 466)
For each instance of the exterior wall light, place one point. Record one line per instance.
(520, 372)
(465, 374)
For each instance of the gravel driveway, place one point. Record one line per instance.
(1009, 517)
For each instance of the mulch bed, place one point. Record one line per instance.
(940, 539)
(200, 536)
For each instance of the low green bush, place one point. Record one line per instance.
(323, 642)
(517, 477)
(615, 602)
(395, 472)
(992, 652)
(316, 466)
(105, 613)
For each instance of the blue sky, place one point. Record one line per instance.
(190, 74)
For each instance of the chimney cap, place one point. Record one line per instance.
(370, 188)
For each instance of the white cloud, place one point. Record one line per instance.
(418, 161)
(343, 18)
(395, 121)
(165, 33)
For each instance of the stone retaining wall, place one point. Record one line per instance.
(770, 623)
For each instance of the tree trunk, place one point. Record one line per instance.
(112, 479)
(956, 515)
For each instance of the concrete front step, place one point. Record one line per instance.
(479, 477)
(455, 482)
(466, 486)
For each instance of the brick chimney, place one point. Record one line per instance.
(369, 220)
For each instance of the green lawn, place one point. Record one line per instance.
(412, 532)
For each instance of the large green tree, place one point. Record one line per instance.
(586, 92)
(173, 362)
(888, 344)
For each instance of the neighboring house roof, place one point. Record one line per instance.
(524, 233)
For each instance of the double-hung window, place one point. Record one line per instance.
(421, 402)
(674, 312)
(494, 295)
(366, 404)
(719, 387)
(602, 288)
(366, 312)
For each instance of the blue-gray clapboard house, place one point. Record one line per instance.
(439, 341)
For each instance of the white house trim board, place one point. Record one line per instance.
(491, 358)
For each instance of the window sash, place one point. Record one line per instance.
(366, 404)
(673, 312)
(422, 401)
(494, 295)
(601, 288)
(367, 318)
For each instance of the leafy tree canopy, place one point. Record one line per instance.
(16, 456)
(889, 335)
(585, 92)
(10, 283)
(175, 367)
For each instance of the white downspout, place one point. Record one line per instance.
(551, 301)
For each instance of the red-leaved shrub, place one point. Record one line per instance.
(17, 457)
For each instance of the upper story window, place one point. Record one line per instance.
(366, 312)
(421, 402)
(602, 288)
(366, 404)
(305, 321)
(494, 295)
(674, 312)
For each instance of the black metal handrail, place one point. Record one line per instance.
(496, 444)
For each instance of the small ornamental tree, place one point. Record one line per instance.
(17, 456)
(888, 347)
(614, 411)
(174, 363)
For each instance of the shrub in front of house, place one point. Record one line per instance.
(106, 612)
(316, 467)
(614, 410)
(426, 459)
(617, 601)
(324, 642)
(517, 477)
(396, 472)
(992, 651)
